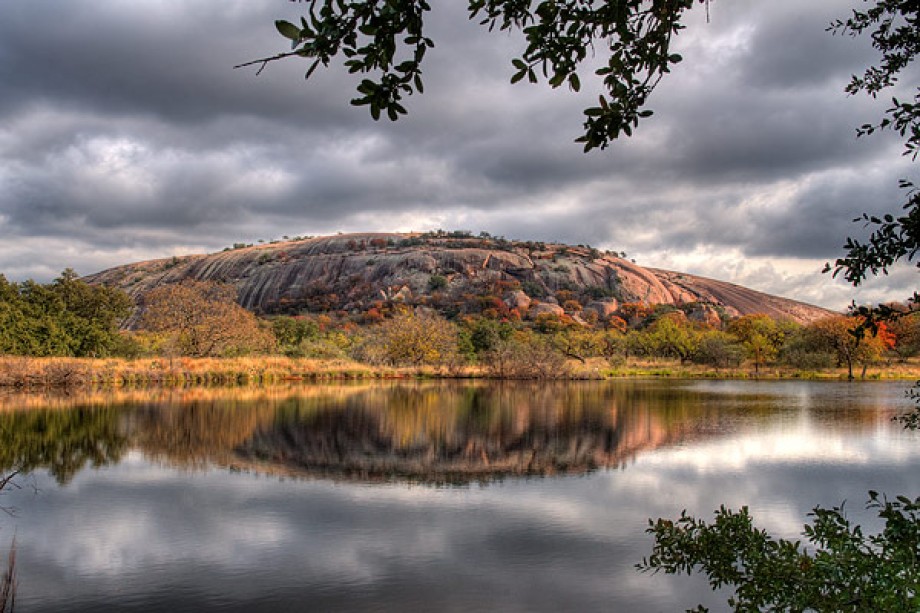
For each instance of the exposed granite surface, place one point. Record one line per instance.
(353, 271)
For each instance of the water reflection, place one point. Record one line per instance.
(359, 534)
(434, 432)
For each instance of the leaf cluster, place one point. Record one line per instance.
(894, 28)
(384, 41)
(67, 317)
(843, 569)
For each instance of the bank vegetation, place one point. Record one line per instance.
(68, 333)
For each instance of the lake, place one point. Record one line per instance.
(446, 496)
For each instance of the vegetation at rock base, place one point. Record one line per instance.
(66, 317)
(202, 319)
(188, 325)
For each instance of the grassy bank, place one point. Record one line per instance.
(43, 373)
(24, 372)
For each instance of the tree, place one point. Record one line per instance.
(412, 339)
(525, 355)
(719, 349)
(202, 319)
(671, 335)
(67, 317)
(760, 335)
(906, 331)
(846, 571)
(837, 335)
(385, 43)
(895, 33)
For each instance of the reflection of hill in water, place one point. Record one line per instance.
(458, 434)
(437, 432)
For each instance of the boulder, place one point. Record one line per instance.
(518, 300)
(707, 314)
(603, 308)
(545, 308)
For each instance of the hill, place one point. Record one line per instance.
(449, 272)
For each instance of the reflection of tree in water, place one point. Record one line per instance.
(63, 441)
(437, 432)
(8, 580)
(199, 432)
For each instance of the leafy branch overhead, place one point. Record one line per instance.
(384, 42)
(842, 569)
(894, 27)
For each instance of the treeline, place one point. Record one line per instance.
(69, 317)
(506, 348)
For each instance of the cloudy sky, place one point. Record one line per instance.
(125, 134)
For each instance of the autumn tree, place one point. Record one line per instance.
(838, 334)
(761, 336)
(202, 319)
(671, 335)
(906, 332)
(525, 355)
(412, 338)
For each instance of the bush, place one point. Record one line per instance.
(799, 357)
(524, 356)
(718, 349)
(436, 282)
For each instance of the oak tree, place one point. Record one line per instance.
(385, 43)
(202, 319)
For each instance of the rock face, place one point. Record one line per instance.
(351, 272)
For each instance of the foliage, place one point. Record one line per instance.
(437, 282)
(291, 333)
(385, 43)
(411, 339)
(67, 317)
(524, 355)
(906, 332)
(672, 336)
(719, 349)
(60, 441)
(201, 319)
(844, 570)
(837, 335)
(760, 335)
(801, 352)
(894, 27)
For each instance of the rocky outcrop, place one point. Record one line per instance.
(352, 272)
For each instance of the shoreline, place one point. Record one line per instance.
(27, 373)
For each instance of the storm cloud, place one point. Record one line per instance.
(126, 134)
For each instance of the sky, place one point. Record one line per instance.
(126, 134)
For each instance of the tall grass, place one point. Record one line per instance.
(8, 583)
(28, 373)
(25, 374)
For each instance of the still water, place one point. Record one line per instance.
(431, 496)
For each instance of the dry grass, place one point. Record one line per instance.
(8, 583)
(67, 373)
(72, 373)
(893, 370)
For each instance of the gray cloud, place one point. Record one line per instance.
(126, 134)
